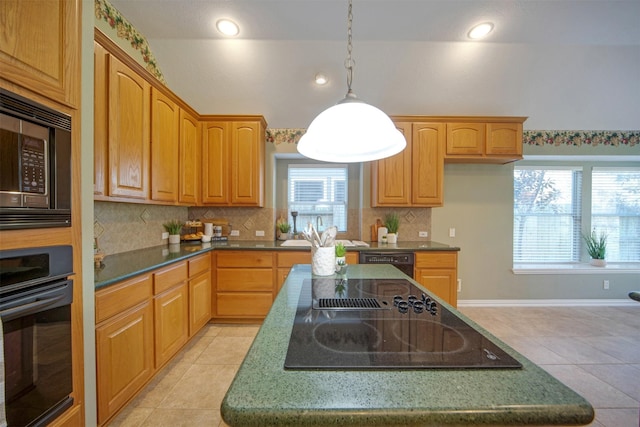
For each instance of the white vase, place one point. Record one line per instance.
(598, 262)
(323, 261)
(392, 238)
(174, 238)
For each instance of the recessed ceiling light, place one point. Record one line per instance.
(321, 79)
(480, 30)
(227, 27)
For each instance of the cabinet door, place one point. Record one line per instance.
(504, 139)
(171, 322)
(165, 120)
(391, 177)
(215, 163)
(465, 138)
(189, 178)
(247, 164)
(441, 282)
(427, 166)
(124, 358)
(39, 47)
(199, 302)
(128, 132)
(100, 120)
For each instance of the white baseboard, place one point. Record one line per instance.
(545, 302)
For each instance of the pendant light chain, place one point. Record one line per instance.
(349, 63)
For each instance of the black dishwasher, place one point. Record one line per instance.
(401, 260)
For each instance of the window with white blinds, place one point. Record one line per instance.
(547, 214)
(615, 210)
(319, 194)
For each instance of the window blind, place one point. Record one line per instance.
(319, 194)
(547, 214)
(615, 210)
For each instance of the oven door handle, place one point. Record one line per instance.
(29, 308)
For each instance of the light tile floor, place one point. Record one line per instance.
(594, 350)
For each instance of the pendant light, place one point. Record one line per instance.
(352, 130)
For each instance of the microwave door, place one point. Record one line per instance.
(9, 152)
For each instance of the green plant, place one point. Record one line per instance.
(284, 227)
(340, 250)
(173, 227)
(596, 245)
(392, 222)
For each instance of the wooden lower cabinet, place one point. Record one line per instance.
(286, 260)
(244, 285)
(438, 272)
(124, 358)
(171, 322)
(142, 322)
(199, 293)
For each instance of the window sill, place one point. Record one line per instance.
(576, 268)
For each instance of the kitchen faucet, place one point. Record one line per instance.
(318, 222)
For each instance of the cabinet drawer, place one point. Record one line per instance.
(167, 277)
(289, 259)
(199, 264)
(436, 260)
(246, 304)
(244, 259)
(121, 296)
(241, 280)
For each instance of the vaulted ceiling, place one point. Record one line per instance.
(411, 56)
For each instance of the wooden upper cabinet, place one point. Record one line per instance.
(165, 122)
(128, 132)
(391, 177)
(427, 164)
(413, 177)
(233, 162)
(190, 154)
(40, 47)
(215, 163)
(504, 139)
(465, 138)
(484, 140)
(247, 163)
(100, 120)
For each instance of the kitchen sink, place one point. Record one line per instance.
(304, 243)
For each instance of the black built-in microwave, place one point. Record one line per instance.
(35, 164)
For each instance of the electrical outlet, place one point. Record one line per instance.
(165, 235)
(259, 233)
(459, 285)
(235, 233)
(452, 232)
(423, 234)
(605, 285)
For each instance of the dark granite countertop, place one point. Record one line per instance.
(264, 393)
(117, 267)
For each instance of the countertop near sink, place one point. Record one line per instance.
(117, 267)
(264, 393)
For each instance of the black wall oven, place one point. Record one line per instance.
(35, 164)
(36, 293)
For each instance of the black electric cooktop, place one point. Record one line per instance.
(353, 324)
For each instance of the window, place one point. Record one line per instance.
(318, 191)
(615, 210)
(555, 205)
(547, 214)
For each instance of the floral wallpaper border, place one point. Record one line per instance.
(580, 138)
(530, 137)
(124, 30)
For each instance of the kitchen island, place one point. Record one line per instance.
(264, 392)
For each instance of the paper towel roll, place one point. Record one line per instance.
(208, 229)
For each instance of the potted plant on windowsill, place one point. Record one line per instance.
(284, 228)
(392, 222)
(596, 247)
(173, 227)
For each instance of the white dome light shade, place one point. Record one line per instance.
(349, 132)
(480, 31)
